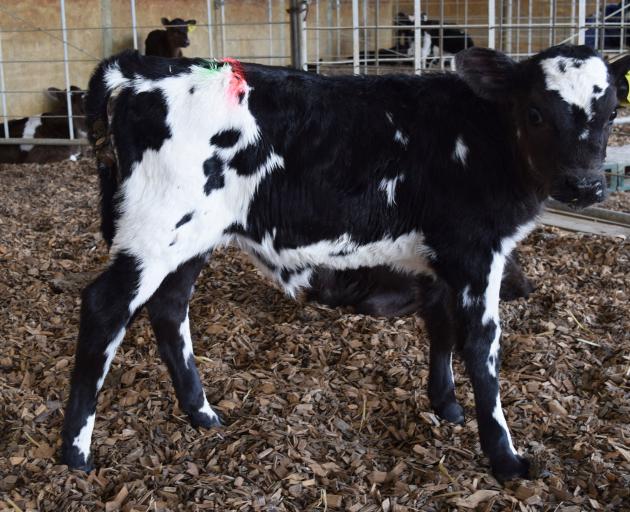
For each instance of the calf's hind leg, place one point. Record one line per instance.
(105, 313)
(168, 311)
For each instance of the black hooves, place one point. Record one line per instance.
(451, 411)
(71, 457)
(511, 467)
(203, 420)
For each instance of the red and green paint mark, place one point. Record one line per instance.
(237, 85)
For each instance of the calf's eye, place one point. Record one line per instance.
(534, 116)
(613, 115)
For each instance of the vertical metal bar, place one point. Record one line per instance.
(210, 33)
(441, 36)
(491, 23)
(596, 23)
(417, 38)
(582, 21)
(329, 31)
(377, 15)
(508, 31)
(355, 37)
(134, 27)
(466, 21)
(551, 2)
(3, 94)
(518, 29)
(317, 57)
(338, 20)
(602, 34)
(622, 29)
(573, 30)
(529, 28)
(66, 68)
(223, 41)
(282, 10)
(106, 23)
(270, 21)
(303, 33)
(365, 37)
(296, 35)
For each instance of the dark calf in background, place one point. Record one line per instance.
(169, 42)
(49, 125)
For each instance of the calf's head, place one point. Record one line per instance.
(177, 31)
(561, 104)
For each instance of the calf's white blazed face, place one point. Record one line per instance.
(560, 104)
(579, 82)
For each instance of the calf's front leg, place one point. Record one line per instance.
(477, 311)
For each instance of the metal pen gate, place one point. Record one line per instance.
(327, 36)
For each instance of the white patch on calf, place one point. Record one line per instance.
(408, 253)
(114, 77)
(401, 138)
(497, 414)
(169, 183)
(584, 135)
(493, 353)
(389, 187)
(461, 150)
(110, 352)
(297, 281)
(184, 332)
(83, 439)
(576, 79)
(468, 300)
(426, 47)
(32, 123)
(493, 289)
(207, 410)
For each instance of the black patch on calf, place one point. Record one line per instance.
(226, 138)
(186, 218)
(192, 90)
(562, 66)
(140, 123)
(286, 274)
(213, 169)
(249, 159)
(597, 89)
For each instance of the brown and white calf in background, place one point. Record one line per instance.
(49, 125)
(169, 42)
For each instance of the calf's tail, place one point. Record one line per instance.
(99, 104)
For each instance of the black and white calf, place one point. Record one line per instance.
(429, 181)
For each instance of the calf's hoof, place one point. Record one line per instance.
(511, 467)
(450, 411)
(200, 419)
(74, 459)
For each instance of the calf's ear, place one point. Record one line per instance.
(490, 74)
(191, 22)
(55, 94)
(165, 21)
(620, 70)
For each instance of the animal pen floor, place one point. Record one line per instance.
(324, 410)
